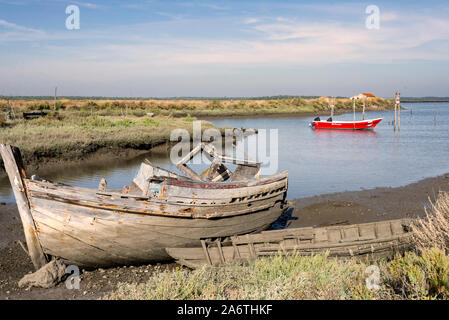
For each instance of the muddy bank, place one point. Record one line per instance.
(338, 208)
(367, 205)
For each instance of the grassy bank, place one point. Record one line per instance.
(298, 277)
(69, 137)
(200, 108)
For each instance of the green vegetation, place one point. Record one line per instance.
(194, 108)
(71, 136)
(424, 276)
(299, 277)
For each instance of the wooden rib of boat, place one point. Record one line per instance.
(368, 240)
(159, 209)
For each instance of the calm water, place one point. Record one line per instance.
(319, 162)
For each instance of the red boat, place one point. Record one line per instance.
(345, 125)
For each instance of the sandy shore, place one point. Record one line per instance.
(338, 208)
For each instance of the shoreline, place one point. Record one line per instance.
(369, 205)
(329, 209)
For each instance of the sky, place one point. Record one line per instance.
(167, 48)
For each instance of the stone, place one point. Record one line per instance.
(46, 277)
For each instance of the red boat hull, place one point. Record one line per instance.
(346, 125)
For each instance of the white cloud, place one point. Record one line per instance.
(14, 26)
(251, 20)
(86, 4)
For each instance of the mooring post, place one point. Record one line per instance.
(395, 109)
(16, 173)
(363, 111)
(332, 105)
(399, 111)
(434, 115)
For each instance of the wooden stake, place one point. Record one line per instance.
(363, 111)
(399, 117)
(16, 173)
(54, 105)
(434, 115)
(332, 106)
(395, 109)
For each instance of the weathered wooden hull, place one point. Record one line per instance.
(93, 229)
(370, 240)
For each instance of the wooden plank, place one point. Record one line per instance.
(16, 173)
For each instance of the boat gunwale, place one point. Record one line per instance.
(155, 201)
(348, 121)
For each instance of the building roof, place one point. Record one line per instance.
(370, 95)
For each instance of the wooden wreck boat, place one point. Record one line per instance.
(159, 209)
(369, 240)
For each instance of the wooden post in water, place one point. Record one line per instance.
(363, 111)
(332, 103)
(16, 173)
(353, 108)
(399, 111)
(434, 115)
(395, 111)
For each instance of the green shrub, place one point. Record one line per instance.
(421, 276)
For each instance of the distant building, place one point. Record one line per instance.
(362, 96)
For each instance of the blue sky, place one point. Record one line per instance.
(224, 48)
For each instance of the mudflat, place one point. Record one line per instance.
(367, 205)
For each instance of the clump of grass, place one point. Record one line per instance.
(125, 123)
(189, 118)
(420, 276)
(98, 122)
(433, 229)
(150, 122)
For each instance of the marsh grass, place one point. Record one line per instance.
(181, 108)
(275, 278)
(412, 276)
(433, 229)
(73, 137)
